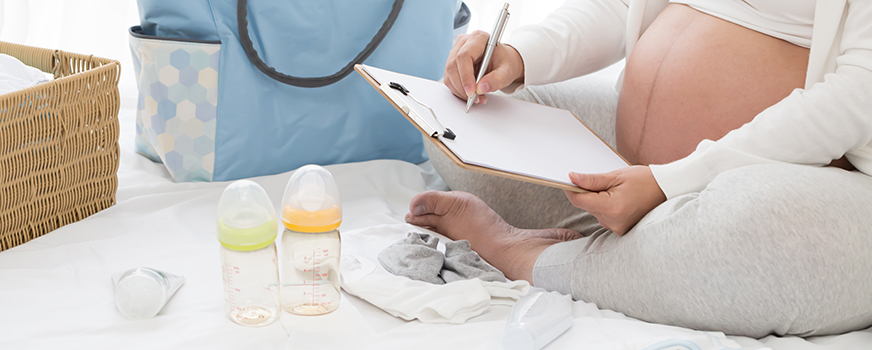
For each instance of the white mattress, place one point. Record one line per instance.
(56, 292)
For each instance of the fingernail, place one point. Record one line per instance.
(575, 176)
(419, 210)
(483, 88)
(478, 100)
(469, 90)
(408, 218)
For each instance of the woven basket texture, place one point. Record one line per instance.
(58, 144)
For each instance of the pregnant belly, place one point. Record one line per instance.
(693, 76)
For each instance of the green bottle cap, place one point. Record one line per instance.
(246, 217)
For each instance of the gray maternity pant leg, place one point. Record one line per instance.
(765, 249)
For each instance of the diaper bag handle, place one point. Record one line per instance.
(313, 82)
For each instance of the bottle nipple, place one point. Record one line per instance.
(246, 219)
(311, 201)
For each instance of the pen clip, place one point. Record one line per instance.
(503, 29)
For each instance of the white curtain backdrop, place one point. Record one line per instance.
(93, 27)
(99, 27)
(484, 13)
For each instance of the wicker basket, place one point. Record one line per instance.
(58, 144)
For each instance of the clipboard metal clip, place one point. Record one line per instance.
(446, 133)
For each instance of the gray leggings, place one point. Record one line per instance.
(765, 249)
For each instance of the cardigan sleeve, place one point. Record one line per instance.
(811, 127)
(580, 37)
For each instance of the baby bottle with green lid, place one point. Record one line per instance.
(247, 230)
(311, 214)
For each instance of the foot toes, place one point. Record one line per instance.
(452, 214)
(424, 203)
(438, 203)
(429, 220)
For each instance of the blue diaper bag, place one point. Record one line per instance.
(234, 89)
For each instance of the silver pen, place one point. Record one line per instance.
(489, 50)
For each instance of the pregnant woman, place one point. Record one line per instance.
(749, 123)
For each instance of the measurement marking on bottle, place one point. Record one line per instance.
(230, 289)
(312, 290)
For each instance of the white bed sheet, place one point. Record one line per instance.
(56, 292)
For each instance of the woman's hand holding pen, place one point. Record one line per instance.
(464, 59)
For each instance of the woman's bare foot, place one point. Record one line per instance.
(460, 215)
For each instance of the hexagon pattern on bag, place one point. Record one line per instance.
(178, 96)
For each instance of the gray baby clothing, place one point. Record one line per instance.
(461, 263)
(414, 257)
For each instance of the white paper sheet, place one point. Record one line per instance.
(507, 134)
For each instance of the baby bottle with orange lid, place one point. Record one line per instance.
(311, 214)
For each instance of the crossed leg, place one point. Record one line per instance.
(768, 249)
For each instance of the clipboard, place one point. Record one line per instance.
(467, 138)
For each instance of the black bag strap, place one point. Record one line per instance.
(313, 82)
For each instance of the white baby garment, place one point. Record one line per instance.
(15, 75)
(455, 302)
